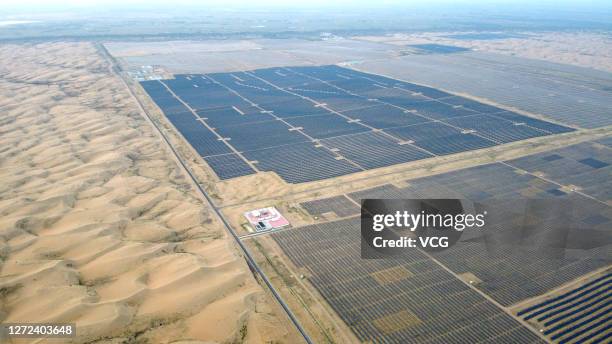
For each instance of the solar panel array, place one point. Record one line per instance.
(339, 205)
(580, 315)
(567, 94)
(338, 120)
(395, 301)
(587, 166)
(511, 274)
(207, 143)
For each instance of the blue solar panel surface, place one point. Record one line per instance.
(292, 162)
(340, 120)
(587, 166)
(511, 274)
(229, 166)
(580, 315)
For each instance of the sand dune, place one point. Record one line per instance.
(97, 224)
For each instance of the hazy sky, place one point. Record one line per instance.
(11, 9)
(308, 14)
(310, 3)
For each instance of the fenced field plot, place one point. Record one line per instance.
(338, 120)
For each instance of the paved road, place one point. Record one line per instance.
(247, 255)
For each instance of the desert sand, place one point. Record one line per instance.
(98, 225)
(583, 49)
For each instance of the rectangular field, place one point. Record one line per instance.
(339, 120)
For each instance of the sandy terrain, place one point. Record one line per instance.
(582, 49)
(98, 226)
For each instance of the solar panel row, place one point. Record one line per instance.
(340, 205)
(372, 150)
(440, 139)
(495, 129)
(228, 166)
(325, 126)
(384, 116)
(206, 143)
(578, 315)
(231, 116)
(292, 162)
(203, 141)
